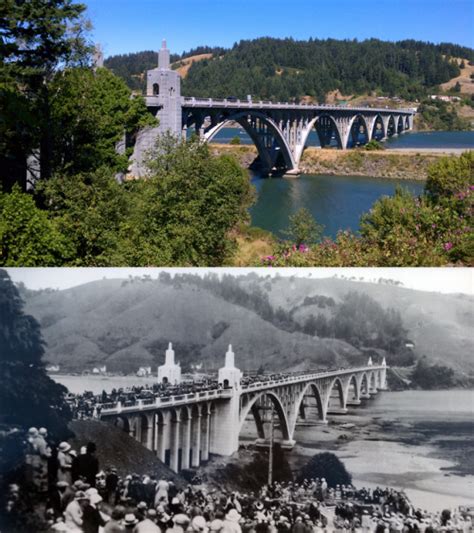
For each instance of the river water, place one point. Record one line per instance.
(411, 440)
(336, 202)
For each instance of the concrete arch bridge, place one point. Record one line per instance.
(280, 131)
(184, 429)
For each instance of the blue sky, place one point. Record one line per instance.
(122, 26)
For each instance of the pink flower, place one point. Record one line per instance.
(447, 246)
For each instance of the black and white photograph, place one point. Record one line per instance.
(263, 400)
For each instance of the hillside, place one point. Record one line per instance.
(284, 69)
(128, 323)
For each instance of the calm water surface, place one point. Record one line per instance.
(336, 202)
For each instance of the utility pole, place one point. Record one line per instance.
(270, 452)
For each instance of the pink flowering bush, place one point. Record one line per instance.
(431, 230)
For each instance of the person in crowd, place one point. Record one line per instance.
(92, 518)
(87, 466)
(115, 524)
(65, 463)
(148, 524)
(74, 513)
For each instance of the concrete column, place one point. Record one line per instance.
(174, 459)
(150, 432)
(186, 444)
(196, 440)
(205, 437)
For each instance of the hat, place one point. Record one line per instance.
(95, 498)
(81, 495)
(233, 515)
(199, 523)
(32, 432)
(64, 446)
(73, 453)
(216, 525)
(181, 519)
(62, 484)
(259, 505)
(151, 513)
(142, 505)
(43, 431)
(175, 501)
(130, 520)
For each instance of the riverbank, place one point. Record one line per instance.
(417, 441)
(394, 163)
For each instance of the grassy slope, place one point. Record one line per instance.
(127, 327)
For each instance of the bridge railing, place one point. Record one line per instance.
(111, 408)
(162, 401)
(192, 101)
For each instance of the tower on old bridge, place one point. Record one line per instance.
(279, 130)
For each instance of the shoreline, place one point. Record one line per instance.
(389, 163)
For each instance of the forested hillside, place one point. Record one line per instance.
(273, 323)
(283, 69)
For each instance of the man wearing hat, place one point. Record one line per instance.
(148, 524)
(231, 522)
(180, 523)
(92, 518)
(64, 462)
(130, 521)
(73, 515)
(60, 498)
(87, 464)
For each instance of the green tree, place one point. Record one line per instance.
(89, 210)
(186, 210)
(28, 237)
(325, 465)
(457, 87)
(303, 229)
(27, 395)
(36, 37)
(450, 175)
(91, 111)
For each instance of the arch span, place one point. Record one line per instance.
(357, 123)
(327, 129)
(336, 384)
(268, 146)
(277, 404)
(378, 129)
(353, 392)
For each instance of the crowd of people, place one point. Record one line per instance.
(79, 497)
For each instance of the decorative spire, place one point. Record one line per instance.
(229, 358)
(169, 355)
(164, 57)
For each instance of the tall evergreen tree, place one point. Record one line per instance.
(28, 396)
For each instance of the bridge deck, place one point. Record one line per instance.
(218, 103)
(196, 397)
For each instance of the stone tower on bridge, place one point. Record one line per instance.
(170, 372)
(164, 85)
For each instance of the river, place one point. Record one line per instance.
(418, 441)
(336, 202)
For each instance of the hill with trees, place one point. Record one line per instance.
(285, 69)
(277, 323)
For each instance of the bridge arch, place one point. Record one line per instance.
(400, 125)
(378, 129)
(353, 387)
(279, 408)
(326, 128)
(336, 384)
(316, 393)
(357, 123)
(364, 385)
(391, 126)
(269, 143)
